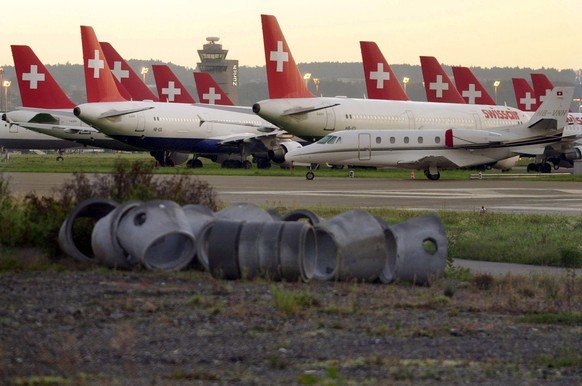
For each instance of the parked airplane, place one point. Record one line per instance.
(525, 96)
(222, 133)
(47, 109)
(437, 84)
(170, 88)
(381, 82)
(209, 91)
(470, 88)
(437, 149)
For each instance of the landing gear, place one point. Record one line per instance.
(263, 163)
(544, 167)
(60, 155)
(432, 176)
(194, 163)
(310, 175)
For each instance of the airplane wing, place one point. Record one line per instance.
(451, 160)
(305, 110)
(253, 137)
(43, 127)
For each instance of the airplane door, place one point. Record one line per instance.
(140, 122)
(411, 123)
(364, 146)
(330, 119)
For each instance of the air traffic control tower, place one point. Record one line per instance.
(225, 72)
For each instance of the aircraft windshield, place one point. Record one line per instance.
(329, 139)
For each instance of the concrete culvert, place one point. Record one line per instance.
(94, 209)
(248, 250)
(297, 251)
(302, 214)
(104, 240)
(268, 250)
(157, 234)
(421, 250)
(350, 246)
(199, 218)
(223, 245)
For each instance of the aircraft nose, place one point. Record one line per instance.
(256, 108)
(77, 111)
(4, 117)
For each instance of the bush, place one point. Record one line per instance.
(37, 219)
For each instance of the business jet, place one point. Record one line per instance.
(209, 91)
(224, 133)
(170, 88)
(438, 149)
(47, 110)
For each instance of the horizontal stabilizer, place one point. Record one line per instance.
(305, 110)
(118, 113)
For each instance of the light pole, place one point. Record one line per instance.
(496, 84)
(405, 81)
(144, 72)
(306, 78)
(6, 84)
(316, 81)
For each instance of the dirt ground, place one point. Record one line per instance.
(88, 326)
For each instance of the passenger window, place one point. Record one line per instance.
(378, 140)
(437, 139)
(392, 139)
(406, 140)
(420, 140)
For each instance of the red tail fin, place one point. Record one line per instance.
(470, 88)
(542, 86)
(437, 84)
(283, 76)
(37, 86)
(381, 82)
(170, 89)
(98, 77)
(524, 95)
(128, 78)
(209, 91)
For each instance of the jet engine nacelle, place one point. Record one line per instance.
(170, 158)
(573, 154)
(506, 164)
(455, 138)
(277, 153)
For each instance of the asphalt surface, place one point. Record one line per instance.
(510, 196)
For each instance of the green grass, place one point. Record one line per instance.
(104, 163)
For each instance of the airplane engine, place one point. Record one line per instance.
(506, 164)
(170, 158)
(573, 154)
(277, 153)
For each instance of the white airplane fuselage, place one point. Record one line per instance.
(20, 138)
(173, 126)
(64, 125)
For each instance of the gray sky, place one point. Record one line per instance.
(512, 33)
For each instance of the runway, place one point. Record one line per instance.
(507, 196)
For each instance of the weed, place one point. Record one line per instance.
(559, 318)
(483, 282)
(290, 302)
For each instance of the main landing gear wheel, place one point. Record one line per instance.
(310, 175)
(540, 167)
(432, 177)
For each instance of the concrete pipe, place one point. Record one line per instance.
(248, 251)
(302, 214)
(104, 239)
(157, 234)
(240, 212)
(297, 251)
(94, 209)
(350, 246)
(223, 245)
(421, 250)
(268, 251)
(199, 218)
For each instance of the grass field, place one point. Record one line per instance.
(89, 162)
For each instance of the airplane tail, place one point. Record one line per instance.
(283, 76)
(381, 83)
(128, 78)
(209, 91)
(170, 89)
(99, 79)
(541, 85)
(38, 88)
(552, 113)
(470, 88)
(437, 84)
(524, 95)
